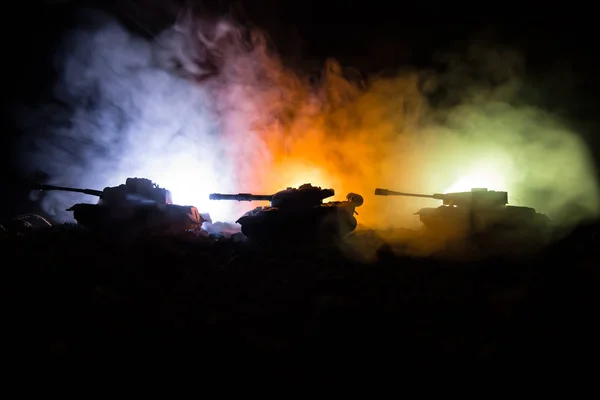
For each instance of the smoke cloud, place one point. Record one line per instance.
(205, 107)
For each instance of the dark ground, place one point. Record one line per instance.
(71, 295)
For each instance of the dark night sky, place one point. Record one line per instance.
(368, 35)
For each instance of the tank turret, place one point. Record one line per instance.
(139, 204)
(478, 197)
(297, 213)
(479, 210)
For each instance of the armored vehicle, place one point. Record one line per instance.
(478, 211)
(138, 205)
(297, 214)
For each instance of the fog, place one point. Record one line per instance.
(205, 107)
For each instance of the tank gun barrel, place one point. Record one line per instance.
(241, 197)
(91, 192)
(476, 197)
(386, 192)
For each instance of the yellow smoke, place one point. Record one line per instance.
(353, 139)
(354, 136)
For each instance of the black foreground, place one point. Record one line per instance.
(71, 295)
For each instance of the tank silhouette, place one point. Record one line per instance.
(297, 214)
(477, 211)
(138, 205)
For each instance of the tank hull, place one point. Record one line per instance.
(326, 222)
(142, 218)
(502, 219)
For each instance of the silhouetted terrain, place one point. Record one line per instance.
(73, 295)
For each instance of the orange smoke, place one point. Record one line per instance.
(354, 136)
(343, 137)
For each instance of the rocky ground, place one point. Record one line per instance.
(71, 294)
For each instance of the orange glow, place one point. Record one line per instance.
(350, 141)
(297, 173)
(355, 138)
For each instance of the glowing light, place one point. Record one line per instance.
(480, 178)
(190, 181)
(299, 173)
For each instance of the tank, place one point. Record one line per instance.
(138, 205)
(477, 211)
(297, 214)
